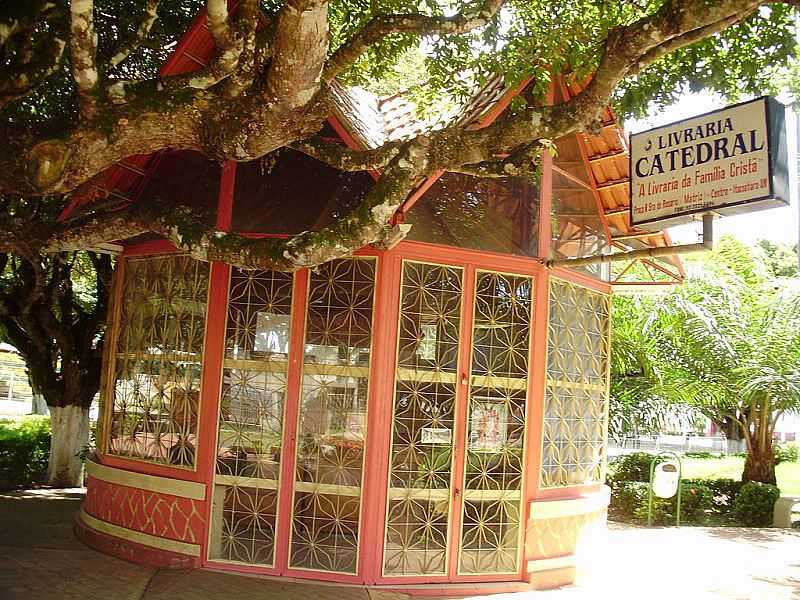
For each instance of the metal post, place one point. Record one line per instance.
(650, 492)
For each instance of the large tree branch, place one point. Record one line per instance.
(629, 49)
(416, 24)
(217, 18)
(345, 159)
(235, 44)
(33, 167)
(251, 126)
(525, 161)
(83, 54)
(136, 40)
(368, 224)
(301, 44)
(245, 26)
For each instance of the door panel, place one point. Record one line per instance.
(333, 417)
(250, 434)
(492, 490)
(419, 495)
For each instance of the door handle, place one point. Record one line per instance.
(464, 379)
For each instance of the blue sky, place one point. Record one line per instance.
(777, 224)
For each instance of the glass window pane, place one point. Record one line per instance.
(576, 393)
(290, 192)
(496, 215)
(333, 417)
(159, 359)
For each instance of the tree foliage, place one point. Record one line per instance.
(53, 310)
(726, 343)
(81, 90)
(781, 259)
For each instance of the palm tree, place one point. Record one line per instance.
(728, 344)
(636, 407)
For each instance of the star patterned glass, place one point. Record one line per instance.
(419, 502)
(333, 417)
(501, 333)
(158, 361)
(576, 393)
(250, 436)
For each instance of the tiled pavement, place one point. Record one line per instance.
(41, 559)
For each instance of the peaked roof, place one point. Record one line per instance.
(376, 121)
(366, 121)
(608, 157)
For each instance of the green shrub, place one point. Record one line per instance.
(632, 467)
(754, 504)
(786, 453)
(724, 491)
(629, 503)
(24, 449)
(626, 497)
(696, 501)
(703, 455)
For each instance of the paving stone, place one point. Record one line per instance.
(202, 585)
(41, 560)
(48, 573)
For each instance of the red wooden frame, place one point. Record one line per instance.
(380, 401)
(382, 376)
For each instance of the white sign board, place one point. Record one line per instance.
(727, 161)
(436, 435)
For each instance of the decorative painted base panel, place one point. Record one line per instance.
(133, 551)
(159, 515)
(547, 580)
(459, 590)
(142, 518)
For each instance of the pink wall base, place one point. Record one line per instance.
(133, 552)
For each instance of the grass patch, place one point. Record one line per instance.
(788, 474)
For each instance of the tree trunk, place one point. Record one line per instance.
(70, 434)
(760, 464)
(730, 428)
(38, 404)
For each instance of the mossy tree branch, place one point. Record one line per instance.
(287, 102)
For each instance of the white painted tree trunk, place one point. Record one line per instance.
(39, 405)
(70, 426)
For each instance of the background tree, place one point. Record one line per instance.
(53, 310)
(781, 259)
(636, 408)
(727, 343)
(81, 92)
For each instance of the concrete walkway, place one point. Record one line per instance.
(41, 559)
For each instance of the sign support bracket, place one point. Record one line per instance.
(704, 246)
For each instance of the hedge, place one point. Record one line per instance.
(24, 450)
(703, 501)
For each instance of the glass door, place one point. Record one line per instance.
(250, 432)
(432, 478)
(495, 444)
(420, 475)
(254, 440)
(331, 434)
